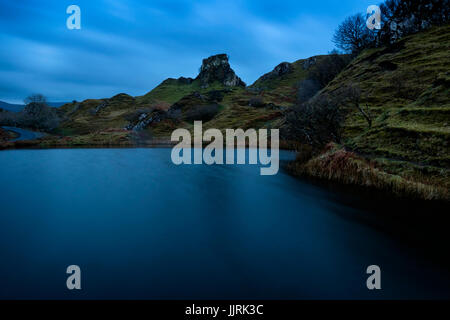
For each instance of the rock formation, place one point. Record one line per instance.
(217, 69)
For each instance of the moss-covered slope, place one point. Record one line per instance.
(406, 89)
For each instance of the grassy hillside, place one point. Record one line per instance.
(96, 115)
(405, 87)
(172, 90)
(274, 94)
(282, 89)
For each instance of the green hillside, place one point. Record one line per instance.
(273, 93)
(407, 91)
(281, 87)
(405, 88)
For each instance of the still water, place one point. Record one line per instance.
(140, 227)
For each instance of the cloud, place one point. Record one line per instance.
(131, 46)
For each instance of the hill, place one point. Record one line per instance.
(19, 107)
(405, 89)
(217, 96)
(11, 107)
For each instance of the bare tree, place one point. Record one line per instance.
(321, 75)
(352, 94)
(37, 114)
(352, 35)
(201, 113)
(36, 98)
(327, 69)
(317, 121)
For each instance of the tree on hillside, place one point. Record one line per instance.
(37, 114)
(352, 94)
(321, 75)
(434, 12)
(326, 70)
(403, 17)
(317, 121)
(352, 35)
(35, 98)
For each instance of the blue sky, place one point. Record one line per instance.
(132, 45)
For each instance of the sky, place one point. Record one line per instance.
(130, 46)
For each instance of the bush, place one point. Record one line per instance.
(351, 94)
(401, 82)
(325, 71)
(201, 113)
(317, 121)
(35, 115)
(35, 98)
(321, 75)
(307, 89)
(256, 102)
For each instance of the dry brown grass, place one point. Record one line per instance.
(337, 164)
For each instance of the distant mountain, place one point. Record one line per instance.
(11, 107)
(18, 107)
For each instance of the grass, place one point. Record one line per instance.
(405, 86)
(406, 151)
(410, 102)
(172, 90)
(100, 138)
(337, 164)
(283, 90)
(235, 111)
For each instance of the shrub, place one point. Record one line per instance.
(256, 102)
(201, 113)
(35, 115)
(321, 75)
(317, 121)
(307, 89)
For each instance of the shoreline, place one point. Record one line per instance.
(327, 171)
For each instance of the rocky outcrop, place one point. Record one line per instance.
(145, 119)
(399, 29)
(217, 69)
(181, 80)
(280, 70)
(411, 16)
(197, 106)
(98, 108)
(308, 63)
(122, 97)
